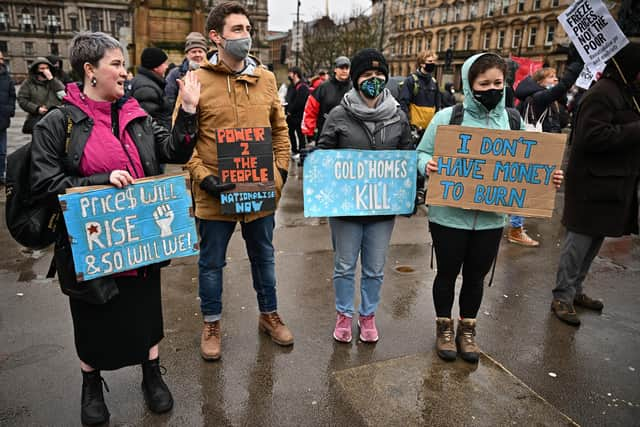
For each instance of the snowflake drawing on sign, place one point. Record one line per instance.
(325, 198)
(407, 183)
(313, 174)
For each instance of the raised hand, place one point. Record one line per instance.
(190, 92)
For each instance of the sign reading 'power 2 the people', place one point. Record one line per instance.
(245, 158)
(359, 182)
(496, 170)
(592, 30)
(114, 230)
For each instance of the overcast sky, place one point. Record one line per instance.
(282, 13)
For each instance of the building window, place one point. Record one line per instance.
(74, 23)
(548, 39)
(432, 14)
(26, 21)
(490, 7)
(521, 6)
(250, 3)
(468, 40)
(443, 14)
(454, 41)
(421, 21)
(457, 13)
(486, 40)
(410, 47)
(4, 21)
(441, 42)
(53, 23)
(94, 23)
(473, 10)
(555, 3)
(3, 48)
(516, 39)
(419, 45)
(428, 47)
(533, 32)
(28, 48)
(411, 23)
(500, 41)
(54, 49)
(536, 4)
(505, 7)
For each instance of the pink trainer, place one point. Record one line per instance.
(342, 332)
(368, 330)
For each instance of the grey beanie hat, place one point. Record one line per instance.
(194, 40)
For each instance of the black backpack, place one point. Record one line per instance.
(33, 224)
(457, 115)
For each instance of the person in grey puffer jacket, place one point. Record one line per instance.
(368, 118)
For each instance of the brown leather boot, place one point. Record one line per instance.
(585, 301)
(445, 346)
(519, 236)
(565, 312)
(210, 341)
(272, 325)
(466, 340)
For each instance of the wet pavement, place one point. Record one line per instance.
(535, 371)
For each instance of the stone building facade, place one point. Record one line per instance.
(527, 28)
(29, 29)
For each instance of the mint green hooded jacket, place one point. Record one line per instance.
(475, 115)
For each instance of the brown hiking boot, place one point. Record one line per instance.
(445, 346)
(582, 300)
(210, 341)
(565, 312)
(272, 325)
(519, 236)
(466, 340)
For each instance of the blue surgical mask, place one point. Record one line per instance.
(238, 48)
(372, 87)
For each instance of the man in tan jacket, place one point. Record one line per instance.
(236, 93)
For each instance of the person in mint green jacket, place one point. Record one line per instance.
(463, 238)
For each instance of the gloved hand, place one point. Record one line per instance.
(573, 55)
(212, 185)
(308, 149)
(283, 174)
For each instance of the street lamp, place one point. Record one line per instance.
(298, 34)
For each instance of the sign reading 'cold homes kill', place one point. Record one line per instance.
(592, 30)
(245, 158)
(114, 230)
(496, 170)
(359, 182)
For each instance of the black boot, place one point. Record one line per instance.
(156, 392)
(93, 411)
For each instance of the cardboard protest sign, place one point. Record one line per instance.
(359, 182)
(496, 170)
(592, 30)
(114, 230)
(245, 158)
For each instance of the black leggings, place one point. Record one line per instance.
(474, 251)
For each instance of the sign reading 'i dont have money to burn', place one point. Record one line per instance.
(496, 170)
(245, 158)
(115, 230)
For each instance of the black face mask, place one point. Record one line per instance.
(428, 68)
(489, 98)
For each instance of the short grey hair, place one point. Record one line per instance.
(90, 47)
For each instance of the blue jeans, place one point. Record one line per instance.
(214, 239)
(370, 241)
(516, 221)
(3, 153)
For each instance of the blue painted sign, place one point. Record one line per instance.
(114, 230)
(359, 182)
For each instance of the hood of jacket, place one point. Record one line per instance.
(527, 87)
(33, 69)
(213, 62)
(471, 106)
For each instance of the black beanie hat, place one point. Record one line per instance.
(367, 59)
(152, 57)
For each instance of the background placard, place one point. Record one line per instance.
(496, 170)
(114, 230)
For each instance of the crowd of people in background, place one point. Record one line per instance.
(352, 107)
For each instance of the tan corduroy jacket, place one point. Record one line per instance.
(229, 100)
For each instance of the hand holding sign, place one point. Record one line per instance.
(163, 215)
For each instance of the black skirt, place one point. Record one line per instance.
(121, 332)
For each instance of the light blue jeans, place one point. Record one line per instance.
(370, 241)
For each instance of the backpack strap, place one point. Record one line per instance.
(457, 115)
(416, 84)
(515, 120)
